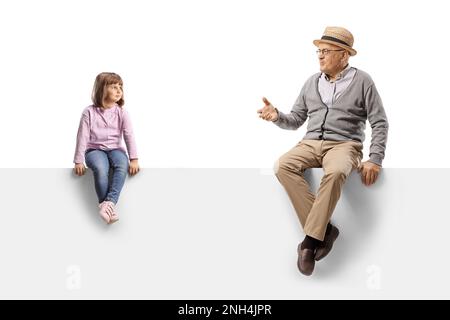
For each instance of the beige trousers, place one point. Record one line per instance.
(337, 158)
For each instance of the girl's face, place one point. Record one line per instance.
(113, 93)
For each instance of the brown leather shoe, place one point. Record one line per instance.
(327, 244)
(305, 262)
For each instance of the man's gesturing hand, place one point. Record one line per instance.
(268, 112)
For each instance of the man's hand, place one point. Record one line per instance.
(369, 172)
(79, 169)
(268, 112)
(134, 167)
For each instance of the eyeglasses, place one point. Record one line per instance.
(326, 51)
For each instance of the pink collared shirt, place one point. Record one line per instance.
(103, 129)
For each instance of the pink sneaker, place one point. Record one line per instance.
(114, 216)
(106, 210)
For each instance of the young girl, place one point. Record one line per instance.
(99, 143)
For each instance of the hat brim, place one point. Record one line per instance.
(350, 50)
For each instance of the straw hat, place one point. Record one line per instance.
(337, 36)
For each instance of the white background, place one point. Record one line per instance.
(195, 71)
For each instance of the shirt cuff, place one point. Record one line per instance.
(376, 158)
(278, 117)
(78, 160)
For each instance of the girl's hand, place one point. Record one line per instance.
(134, 167)
(79, 169)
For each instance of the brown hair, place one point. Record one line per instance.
(99, 91)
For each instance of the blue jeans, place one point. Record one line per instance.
(100, 162)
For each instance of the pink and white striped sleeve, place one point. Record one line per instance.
(82, 137)
(128, 136)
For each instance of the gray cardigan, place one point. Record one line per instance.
(346, 120)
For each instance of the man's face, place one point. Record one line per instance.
(331, 62)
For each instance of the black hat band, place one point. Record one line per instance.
(335, 40)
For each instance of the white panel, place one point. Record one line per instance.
(219, 234)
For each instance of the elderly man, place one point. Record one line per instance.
(338, 101)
